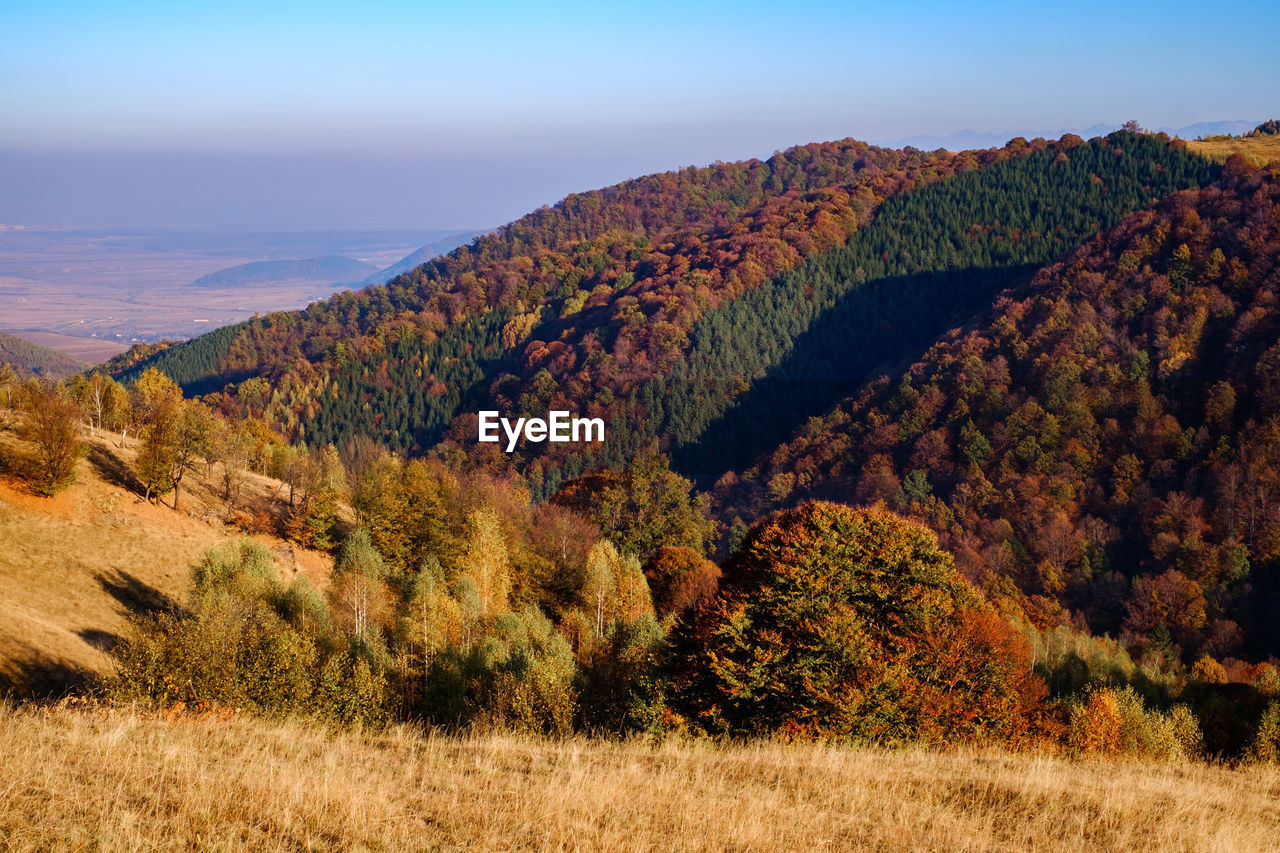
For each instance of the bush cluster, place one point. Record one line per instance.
(830, 623)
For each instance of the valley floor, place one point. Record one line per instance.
(115, 779)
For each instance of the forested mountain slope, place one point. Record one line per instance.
(929, 260)
(757, 366)
(677, 241)
(710, 309)
(1107, 443)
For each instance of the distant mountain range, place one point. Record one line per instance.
(326, 268)
(966, 139)
(339, 270)
(420, 257)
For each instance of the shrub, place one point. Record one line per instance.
(1266, 741)
(1186, 731)
(517, 675)
(1113, 722)
(1096, 724)
(242, 569)
(532, 670)
(621, 688)
(227, 653)
(351, 692)
(243, 642)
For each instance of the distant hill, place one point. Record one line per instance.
(92, 350)
(329, 268)
(421, 256)
(34, 360)
(1211, 128)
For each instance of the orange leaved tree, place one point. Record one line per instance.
(840, 622)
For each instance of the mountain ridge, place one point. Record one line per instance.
(573, 306)
(320, 268)
(967, 139)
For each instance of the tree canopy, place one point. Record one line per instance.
(834, 621)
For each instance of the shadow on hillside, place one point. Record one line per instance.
(9, 465)
(38, 676)
(137, 596)
(113, 470)
(103, 641)
(18, 465)
(880, 326)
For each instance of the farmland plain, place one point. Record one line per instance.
(92, 293)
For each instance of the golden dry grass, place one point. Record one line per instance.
(73, 566)
(1258, 150)
(113, 779)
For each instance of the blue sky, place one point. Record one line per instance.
(443, 115)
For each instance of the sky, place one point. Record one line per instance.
(467, 115)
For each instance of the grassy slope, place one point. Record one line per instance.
(73, 566)
(114, 779)
(1258, 150)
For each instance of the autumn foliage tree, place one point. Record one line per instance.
(486, 563)
(53, 426)
(643, 508)
(317, 482)
(680, 578)
(104, 400)
(358, 592)
(842, 622)
(157, 405)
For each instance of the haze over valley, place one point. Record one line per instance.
(94, 292)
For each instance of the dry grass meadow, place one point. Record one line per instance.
(114, 779)
(1258, 150)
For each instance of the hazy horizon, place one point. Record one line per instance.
(314, 116)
